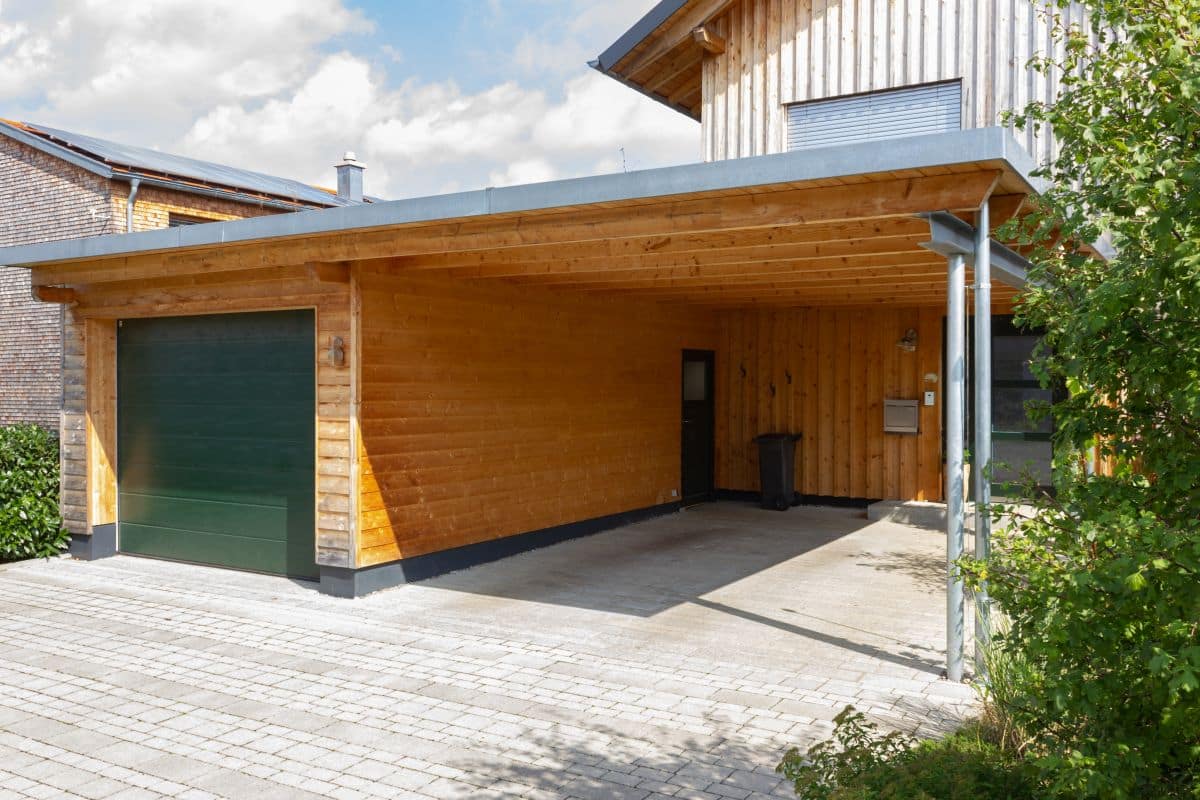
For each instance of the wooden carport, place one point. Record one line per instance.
(498, 370)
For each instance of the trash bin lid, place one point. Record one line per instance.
(778, 437)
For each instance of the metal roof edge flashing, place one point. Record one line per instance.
(631, 38)
(57, 150)
(957, 147)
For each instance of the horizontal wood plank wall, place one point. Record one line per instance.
(825, 373)
(788, 51)
(262, 290)
(488, 411)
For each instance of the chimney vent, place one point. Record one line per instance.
(350, 178)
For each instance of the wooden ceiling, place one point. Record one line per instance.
(851, 241)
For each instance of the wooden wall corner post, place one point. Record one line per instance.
(356, 446)
(100, 365)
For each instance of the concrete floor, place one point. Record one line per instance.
(675, 658)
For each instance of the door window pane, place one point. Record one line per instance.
(1010, 358)
(1009, 410)
(1014, 459)
(695, 381)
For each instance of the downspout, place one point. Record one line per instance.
(134, 183)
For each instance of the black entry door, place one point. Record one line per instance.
(1021, 448)
(698, 422)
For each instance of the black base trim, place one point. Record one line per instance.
(101, 544)
(349, 583)
(839, 502)
(743, 496)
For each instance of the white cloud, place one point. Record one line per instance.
(140, 71)
(262, 85)
(525, 170)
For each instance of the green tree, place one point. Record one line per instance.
(1102, 581)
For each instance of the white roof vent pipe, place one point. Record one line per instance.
(350, 178)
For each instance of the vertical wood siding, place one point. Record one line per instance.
(825, 374)
(262, 290)
(787, 51)
(488, 411)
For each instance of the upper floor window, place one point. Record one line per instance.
(890, 114)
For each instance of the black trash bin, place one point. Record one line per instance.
(777, 469)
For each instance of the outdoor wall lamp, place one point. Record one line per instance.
(337, 352)
(909, 343)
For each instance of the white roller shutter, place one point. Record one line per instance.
(912, 111)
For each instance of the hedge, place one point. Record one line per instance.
(30, 523)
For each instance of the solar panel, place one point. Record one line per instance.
(141, 159)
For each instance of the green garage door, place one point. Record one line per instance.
(215, 440)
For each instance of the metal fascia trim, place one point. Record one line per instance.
(957, 147)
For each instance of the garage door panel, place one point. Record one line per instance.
(155, 449)
(163, 359)
(216, 440)
(265, 520)
(213, 420)
(219, 550)
(220, 485)
(242, 392)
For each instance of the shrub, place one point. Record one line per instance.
(1100, 583)
(860, 763)
(30, 525)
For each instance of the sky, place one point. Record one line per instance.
(433, 96)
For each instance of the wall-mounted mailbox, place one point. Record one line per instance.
(901, 416)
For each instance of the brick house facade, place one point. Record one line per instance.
(42, 198)
(45, 196)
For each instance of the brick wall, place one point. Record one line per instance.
(154, 206)
(41, 198)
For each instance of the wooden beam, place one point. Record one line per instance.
(686, 60)
(734, 272)
(1003, 207)
(670, 37)
(611, 250)
(928, 273)
(709, 40)
(847, 302)
(867, 284)
(329, 272)
(54, 294)
(896, 296)
(687, 264)
(686, 91)
(725, 212)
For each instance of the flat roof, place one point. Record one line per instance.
(996, 145)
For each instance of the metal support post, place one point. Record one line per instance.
(983, 425)
(956, 334)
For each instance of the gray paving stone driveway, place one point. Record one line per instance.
(674, 658)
